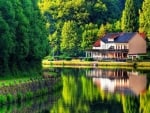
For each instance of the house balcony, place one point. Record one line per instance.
(110, 50)
(112, 54)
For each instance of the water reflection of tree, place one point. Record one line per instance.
(130, 104)
(80, 95)
(145, 102)
(145, 96)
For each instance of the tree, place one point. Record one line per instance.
(114, 10)
(6, 43)
(130, 104)
(129, 20)
(6, 33)
(23, 35)
(39, 35)
(109, 28)
(55, 43)
(69, 41)
(89, 35)
(144, 18)
(117, 26)
(82, 12)
(101, 31)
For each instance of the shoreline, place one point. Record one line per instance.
(22, 91)
(82, 64)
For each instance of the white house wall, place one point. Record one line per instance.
(108, 45)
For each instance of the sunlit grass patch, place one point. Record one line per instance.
(91, 64)
(85, 63)
(15, 81)
(143, 64)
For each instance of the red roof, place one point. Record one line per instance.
(143, 35)
(97, 43)
(115, 35)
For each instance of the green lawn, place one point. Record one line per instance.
(9, 81)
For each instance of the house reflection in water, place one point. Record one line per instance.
(121, 81)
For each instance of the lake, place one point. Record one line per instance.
(92, 90)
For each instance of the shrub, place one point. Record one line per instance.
(62, 57)
(88, 59)
(51, 59)
(67, 58)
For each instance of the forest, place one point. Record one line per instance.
(75, 24)
(32, 29)
(23, 35)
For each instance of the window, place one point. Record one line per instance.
(110, 39)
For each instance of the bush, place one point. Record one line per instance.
(62, 57)
(89, 59)
(50, 58)
(67, 58)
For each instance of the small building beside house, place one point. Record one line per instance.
(118, 46)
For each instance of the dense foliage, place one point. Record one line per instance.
(71, 27)
(129, 16)
(74, 25)
(145, 18)
(23, 35)
(88, 20)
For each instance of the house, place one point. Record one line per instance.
(118, 46)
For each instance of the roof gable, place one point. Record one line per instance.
(97, 43)
(143, 35)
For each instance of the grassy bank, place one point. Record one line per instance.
(26, 88)
(78, 63)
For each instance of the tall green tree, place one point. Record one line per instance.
(7, 16)
(129, 20)
(55, 43)
(113, 6)
(6, 43)
(102, 31)
(144, 19)
(130, 104)
(21, 33)
(69, 41)
(89, 35)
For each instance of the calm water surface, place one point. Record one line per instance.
(92, 91)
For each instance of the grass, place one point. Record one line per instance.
(86, 63)
(16, 86)
(143, 64)
(89, 64)
(22, 92)
(15, 81)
